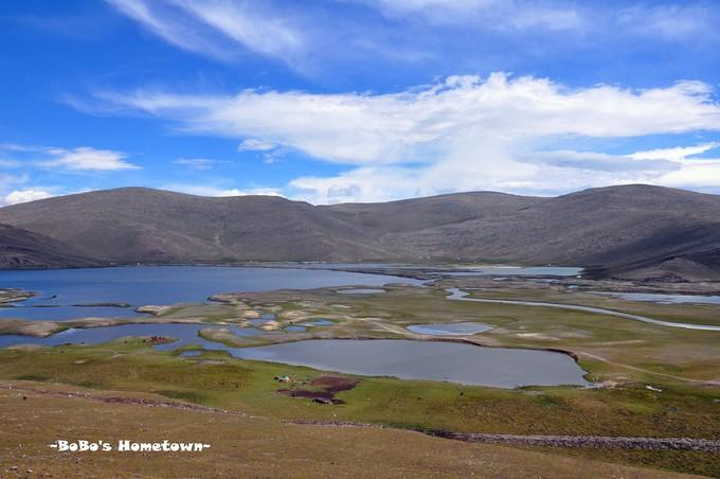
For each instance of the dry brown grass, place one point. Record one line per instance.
(251, 447)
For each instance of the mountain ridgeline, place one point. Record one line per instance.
(634, 231)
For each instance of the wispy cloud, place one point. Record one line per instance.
(674, 154)
(255, 144)
(681, 21)
(199, 163)
(463, 133)
(217, 28)
(88, 159)
(494, 14)
(667, 21)
(217, 191)
(83, 158)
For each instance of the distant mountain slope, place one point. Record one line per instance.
(614, 227)
(140, 224)
(636, 231)
(20, 249)
(421, 213)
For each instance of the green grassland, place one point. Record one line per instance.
(620, 355)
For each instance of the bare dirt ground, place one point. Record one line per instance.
(243, 446)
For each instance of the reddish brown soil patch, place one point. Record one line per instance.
(327, 386)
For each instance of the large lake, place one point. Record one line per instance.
(60, 290)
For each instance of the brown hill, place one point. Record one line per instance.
(637, 231)
(421, 213)
(621, 229)
(20, 249)
(140, 224)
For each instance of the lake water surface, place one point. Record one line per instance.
(519, 271)
(404, 359)
(138, 286)
(184, 333)
(457, 294)
(428, 360)
(665, 298)
(450, 329)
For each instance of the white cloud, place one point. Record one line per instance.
(221, 29)
(250, 192)
(271, 152)
(678, 21)
(87, 158)
(698, 174)
(16, 147)
(675, 154)
(80, 158)
(23, 196)
(690, 171)
(422, 124)
(197, 163)
(256, 144)
(682, 21)
(463, 133)
(217, 191)
(495, 14)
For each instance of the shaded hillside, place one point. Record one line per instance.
(636, 231)
(621, 228)
(421, 213)
(20, 249)
(139, 224)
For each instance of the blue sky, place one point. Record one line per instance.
(357, 100)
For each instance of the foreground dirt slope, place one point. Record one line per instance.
(245, 446)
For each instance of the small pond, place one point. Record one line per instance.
(404, 359)
(518, 271)
(428, 360)
(665, 298)
(317, 322)
(450, 329)
(295, 329)
(191, 354)
(362, 291)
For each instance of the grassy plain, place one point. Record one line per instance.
(622, 356)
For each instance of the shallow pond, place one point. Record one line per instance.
(191, 354)
(459, 295)
(295, 329)
(362, 291)
(184, 333)
(265, 318)
(428, 360)
(318, 322)
(519, 271)
(450, 329)
(139, 286)
(665, 298)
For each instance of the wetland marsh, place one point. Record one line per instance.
(648, 379)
